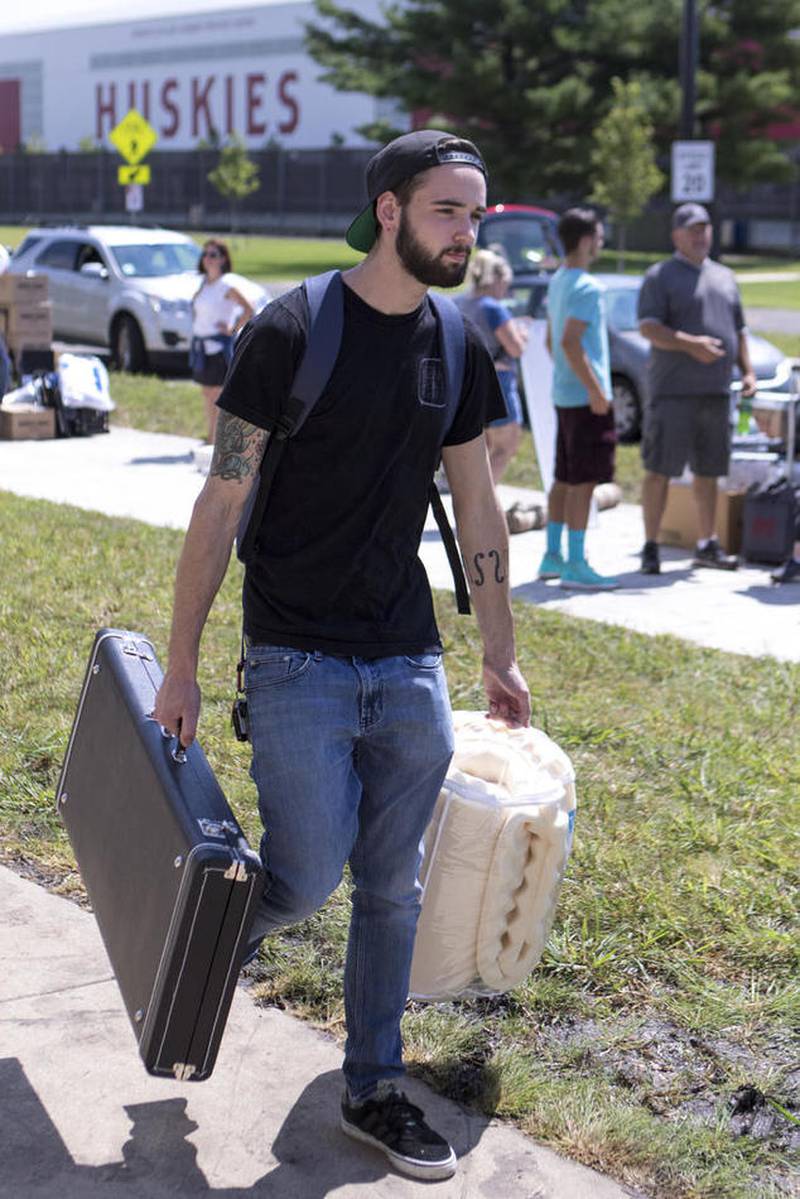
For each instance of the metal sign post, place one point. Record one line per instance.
(134, 197)
(134, 138)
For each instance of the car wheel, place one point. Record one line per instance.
(627, 411)
(127, 345)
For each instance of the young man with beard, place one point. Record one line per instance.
(348, 707)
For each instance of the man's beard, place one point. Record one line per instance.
(427, 268)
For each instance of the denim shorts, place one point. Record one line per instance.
(510, 390)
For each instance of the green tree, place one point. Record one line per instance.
(235, 175)
(529, 82)
(623, 159)
(749, 80)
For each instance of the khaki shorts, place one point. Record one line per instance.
(687, 430)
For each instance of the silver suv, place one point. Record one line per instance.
(123, 286)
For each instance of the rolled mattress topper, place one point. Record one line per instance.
(494, 857)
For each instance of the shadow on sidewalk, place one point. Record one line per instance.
(314, 1158)
(630, 583)
(162, 460)
(778, 594)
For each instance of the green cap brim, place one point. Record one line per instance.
(361, 234)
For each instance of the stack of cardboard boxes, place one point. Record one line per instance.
(25, 325)
(25, 318)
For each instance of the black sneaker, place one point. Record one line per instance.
(712, 555)
(788, 573)
(651, 562)
(394, 1125)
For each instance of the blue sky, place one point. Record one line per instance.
(49, 14)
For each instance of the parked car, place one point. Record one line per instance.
(629, 351)
(528, 236)
(123, 286)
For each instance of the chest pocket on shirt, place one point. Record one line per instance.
(430, 383)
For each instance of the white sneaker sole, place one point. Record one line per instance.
(404, 1165)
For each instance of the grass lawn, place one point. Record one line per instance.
(670, 983)
(157, 404)
(788, 342)
(771, 295)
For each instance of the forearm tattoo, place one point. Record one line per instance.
(238, 448)
(491, 566)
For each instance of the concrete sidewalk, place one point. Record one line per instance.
(81, 1118)
(153, 477)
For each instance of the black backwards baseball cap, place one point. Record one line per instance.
(401, 159)
(690, 214)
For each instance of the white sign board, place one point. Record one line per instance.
(134, 197)
(536, 366)
(692, 171)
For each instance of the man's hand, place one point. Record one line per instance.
(177, 706)
(508, 695)
(749, 383)
(705, 349)
(598, 403)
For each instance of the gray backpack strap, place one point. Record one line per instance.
(325, 323)
(452, 341)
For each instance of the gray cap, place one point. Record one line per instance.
(690, 214)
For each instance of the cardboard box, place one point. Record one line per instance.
(27, 422)
(679, 524)
(31, 323)
(23, 289)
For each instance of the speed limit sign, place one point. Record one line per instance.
(692, 171)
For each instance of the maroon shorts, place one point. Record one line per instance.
(585, 446)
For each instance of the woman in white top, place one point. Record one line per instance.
(218, 312)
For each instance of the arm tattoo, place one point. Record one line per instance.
(476, 575)
(238, 448)
(477, 572)
(500, 574)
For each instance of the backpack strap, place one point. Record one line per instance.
(452, 342)
(325, 323)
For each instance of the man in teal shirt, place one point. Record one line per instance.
(577, 341)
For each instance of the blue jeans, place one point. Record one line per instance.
(349, 755)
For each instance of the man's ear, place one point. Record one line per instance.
(387, 211)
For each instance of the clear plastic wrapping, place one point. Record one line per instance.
(495, 854)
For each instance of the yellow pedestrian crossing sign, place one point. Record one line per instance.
(134, 137)
(134, 174)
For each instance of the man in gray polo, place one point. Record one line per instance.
(690, 312)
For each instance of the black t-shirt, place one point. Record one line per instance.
(337, 566)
